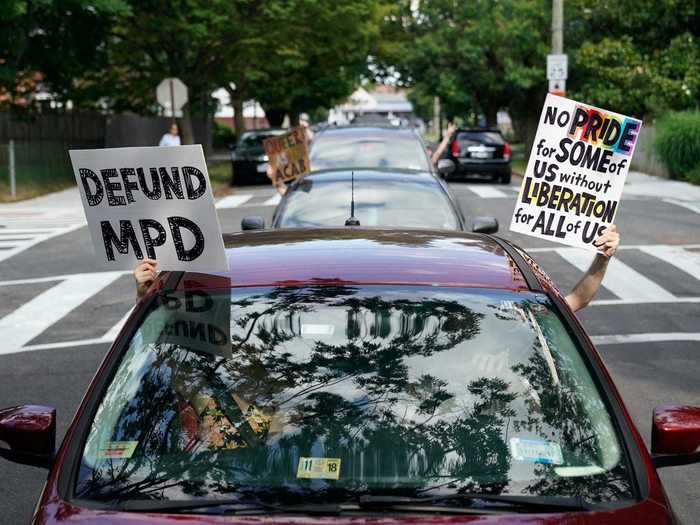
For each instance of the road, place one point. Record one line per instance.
(58, 315)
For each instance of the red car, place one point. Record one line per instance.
(348, 376)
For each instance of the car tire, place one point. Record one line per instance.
(505, 179)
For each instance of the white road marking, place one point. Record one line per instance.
(113, 332)
(692, 206)
(233, 201)
(620, 279)
(25, 245)
(273, 201)
(623, 247)
(67, 344)
(684, 260)
(32, 318)
(617, 302)
(486, 192)
(644, 338)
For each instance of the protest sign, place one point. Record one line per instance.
(574, 179)
(288, 154)
(150, 202)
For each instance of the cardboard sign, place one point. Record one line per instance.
(289, 154)
(150, 202)
(577, 169)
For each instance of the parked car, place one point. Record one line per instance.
(386, 147)
(476, 151)
(248, 159)
(352, 374)
(388, 198)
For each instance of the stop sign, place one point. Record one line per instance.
(171, 93)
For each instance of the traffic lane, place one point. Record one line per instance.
(652, 374)
(640, 220)
(56, 378)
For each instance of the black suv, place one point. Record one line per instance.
(248, 158)
(478, 151)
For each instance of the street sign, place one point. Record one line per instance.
(557, 67)
(557, 87)
(171, 93)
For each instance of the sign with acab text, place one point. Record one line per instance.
(288, 154)
(576, 172)
(150, 202)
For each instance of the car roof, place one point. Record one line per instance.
(364, 129)
(370, 174)
(327, 256)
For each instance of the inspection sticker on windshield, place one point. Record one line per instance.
(118, 450)
(318, 468)
(536, 451)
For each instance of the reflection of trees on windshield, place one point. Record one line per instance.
(365, 395)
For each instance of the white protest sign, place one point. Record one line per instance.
(576, 172)
(150, 202)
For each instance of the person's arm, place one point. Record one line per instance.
(586, 288)
(443, 145)
(144, 275)
(278, 183)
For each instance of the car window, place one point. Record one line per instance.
(327, 393)
(340, 150)
(381, 202)
(489, 137)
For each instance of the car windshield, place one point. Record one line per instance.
(328, 393)
(345, 150)
(380, 202)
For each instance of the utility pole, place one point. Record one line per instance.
(557, 27)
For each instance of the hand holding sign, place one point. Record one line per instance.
(576, 173)
(150, 203)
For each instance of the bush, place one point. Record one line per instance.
(222, 136)
(678, 144)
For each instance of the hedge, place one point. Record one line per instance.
(678, 144)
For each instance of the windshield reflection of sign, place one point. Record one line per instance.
(288, 154)
(195, 322)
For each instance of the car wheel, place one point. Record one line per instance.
(505, 179)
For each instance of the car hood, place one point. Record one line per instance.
(646, 512)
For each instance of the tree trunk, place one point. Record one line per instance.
(185, 125)
(491, 114)
(237, 102)
(293, 118)
(275, 116)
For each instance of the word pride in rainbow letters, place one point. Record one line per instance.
(577, 169)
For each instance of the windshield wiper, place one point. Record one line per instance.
(535, 503)
(228, 506)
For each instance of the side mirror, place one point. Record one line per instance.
(253, 222)
(484, 225)
(445, 166)
(28, 434)
(675, 435)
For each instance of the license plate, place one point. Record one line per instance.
(481, 154)
(262, 168)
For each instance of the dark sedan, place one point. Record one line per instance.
(248, 159)
(388, 198)
(481, 152)
(350, 376)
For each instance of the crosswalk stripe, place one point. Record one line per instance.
(626, 283)
(273, 201)
(32, 318)
(643, 338)
(233, 201)
(486, 192)
(682, 259)
(685, 204)
(6, 254)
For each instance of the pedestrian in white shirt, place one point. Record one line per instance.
(171, 138)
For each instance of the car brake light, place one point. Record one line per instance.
(506, 151)
(455, 148)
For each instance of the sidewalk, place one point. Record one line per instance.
(651, 186)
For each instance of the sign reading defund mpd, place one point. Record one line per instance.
(577, 169)
(150, 202)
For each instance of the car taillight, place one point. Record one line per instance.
(455, 148)
(506, 151)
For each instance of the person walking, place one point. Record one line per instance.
(171, 138)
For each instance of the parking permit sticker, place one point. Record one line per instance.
(536, 451)
(118, 450)
(318, 468)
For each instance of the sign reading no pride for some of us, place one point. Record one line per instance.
(577, 169)
(150, 202)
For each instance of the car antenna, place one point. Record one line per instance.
(352, 221)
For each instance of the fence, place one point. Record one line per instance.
(41, 142)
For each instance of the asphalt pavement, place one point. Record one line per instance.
(58, 314)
